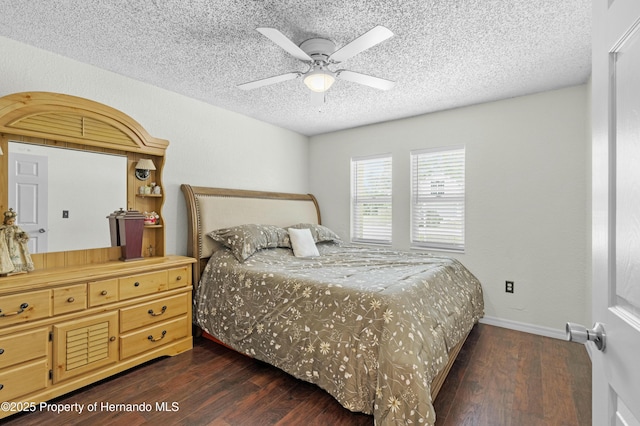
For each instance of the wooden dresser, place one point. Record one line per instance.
(83, 314)
(63, 329)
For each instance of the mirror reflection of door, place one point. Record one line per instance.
(82, 189)
(28, 196)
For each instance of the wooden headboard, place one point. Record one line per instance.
(214, 208)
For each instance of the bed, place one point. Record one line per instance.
(378, 329)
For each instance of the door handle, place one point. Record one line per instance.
(580, 334)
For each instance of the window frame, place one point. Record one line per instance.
(387, 200)
(454, 201)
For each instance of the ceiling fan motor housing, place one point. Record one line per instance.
(319, 49)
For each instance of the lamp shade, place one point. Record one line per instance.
(319, 80)
(145, 164)
(142, 168)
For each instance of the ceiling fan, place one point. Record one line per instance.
(321, 56)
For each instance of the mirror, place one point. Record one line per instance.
(63, 196)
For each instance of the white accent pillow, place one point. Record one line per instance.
(302, 243)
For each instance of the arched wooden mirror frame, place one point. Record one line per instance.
(72, 122)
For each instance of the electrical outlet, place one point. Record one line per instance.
(508, 286)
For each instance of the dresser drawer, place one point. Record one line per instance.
(142, 284)
(153, 312)
(179, 277)
(69, 299)
(25, 307)
(155, 336)
(18, 381)
(21, 347)
(103, 292)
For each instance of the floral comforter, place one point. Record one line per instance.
(372, 327)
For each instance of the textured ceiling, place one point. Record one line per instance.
(444, 54)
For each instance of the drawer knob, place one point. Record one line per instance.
(136, 284)
(103, 293)
(1, 386)
(71, 300)
(179, 277)
(153, 339)
(112, 338)
(164, 308)
(9, 314)
(1, 351)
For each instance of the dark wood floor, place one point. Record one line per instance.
(501, 377)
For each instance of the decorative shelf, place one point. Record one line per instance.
(153, 226)
(149, 195)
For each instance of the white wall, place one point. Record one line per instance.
(209, 146)
(527, 204)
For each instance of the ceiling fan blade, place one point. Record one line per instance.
(283, 41)
(365, 41)
(367, 80)
(269, 80)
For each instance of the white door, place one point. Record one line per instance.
(28, 177)
(616, 210)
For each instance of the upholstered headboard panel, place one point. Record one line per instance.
(214, 208)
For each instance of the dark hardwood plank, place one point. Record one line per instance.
(528, 384)
(501, 377)
(514, 378)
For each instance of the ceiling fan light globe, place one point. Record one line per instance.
(319, 81)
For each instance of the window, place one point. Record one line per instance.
(437, 198)
(371, 199)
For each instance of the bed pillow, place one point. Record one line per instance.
(302, 243)
(319, 233)
(245, 240)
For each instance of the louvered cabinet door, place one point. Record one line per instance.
(83, 345)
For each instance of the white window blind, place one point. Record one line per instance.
(437, 198)
(371, 199)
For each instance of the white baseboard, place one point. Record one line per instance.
(527, 328)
